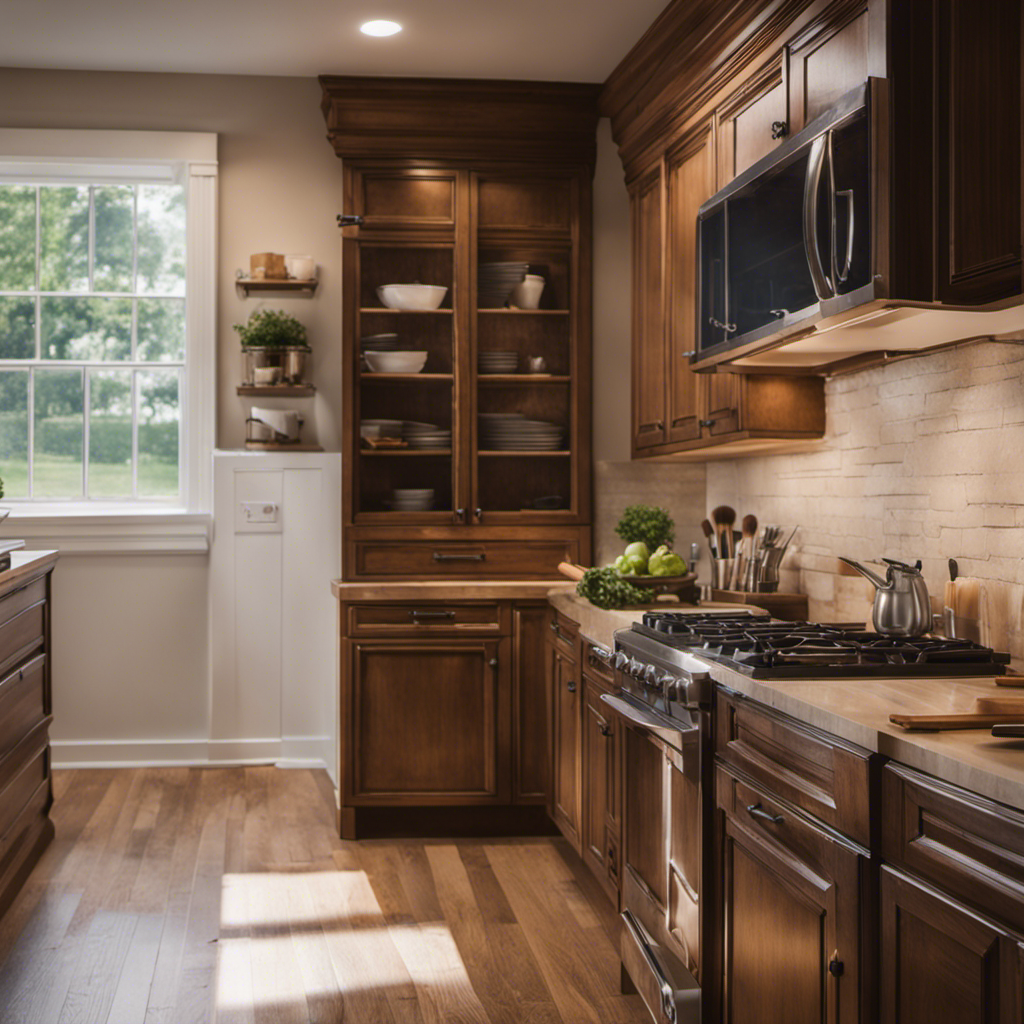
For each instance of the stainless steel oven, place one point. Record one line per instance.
(664, 706)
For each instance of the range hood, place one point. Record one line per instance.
(883, 328)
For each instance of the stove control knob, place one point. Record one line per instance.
(669, 683)
(621, 660)
(636, 668)
(651, 676)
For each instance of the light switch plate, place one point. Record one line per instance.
(258, 517)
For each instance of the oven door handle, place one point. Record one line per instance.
(674, 735)
(679, 1003)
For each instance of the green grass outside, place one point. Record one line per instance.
(61, 477)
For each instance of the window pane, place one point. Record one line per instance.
(86, 328)
(14, 432)
(57, 459)
(110, 433)
(112, 259)
(161, 330)
(159, 415)
(17, 238)
(17, 328)
(161, 239)
(64, 238)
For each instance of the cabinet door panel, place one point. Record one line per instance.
(405, 199)
(747, 121)
(691, 180)
(828, 60)
(940, 961)
(530, 706)
(598, 765)
(565, 783)
(444, 692)
(723, 401)
(647, 204)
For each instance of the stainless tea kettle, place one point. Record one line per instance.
(902, 606)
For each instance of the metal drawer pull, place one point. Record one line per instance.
(757, 811)
(441, 556)
(431, 615)
(605, 729)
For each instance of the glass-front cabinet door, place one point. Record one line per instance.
(525, 302)
(406, 374)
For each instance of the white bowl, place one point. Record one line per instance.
(395, 362)
(412, 296)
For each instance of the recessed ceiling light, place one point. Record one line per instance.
(380, 28)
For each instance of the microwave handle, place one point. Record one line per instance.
(838, 276)
(823, 287)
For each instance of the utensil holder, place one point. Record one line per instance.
(721, 572)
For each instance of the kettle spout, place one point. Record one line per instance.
(879, 583)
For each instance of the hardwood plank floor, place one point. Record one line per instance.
(223, 895)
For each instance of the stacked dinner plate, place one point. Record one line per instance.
(380, 343)
(426, 435)
(495, 281)
(411, 499)
(497, 362)
(512, 432)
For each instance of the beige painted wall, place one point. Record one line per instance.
(280, 189)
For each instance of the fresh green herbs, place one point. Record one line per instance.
(607, 589)
(647, 523)
(271, 328)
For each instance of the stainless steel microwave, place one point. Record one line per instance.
(790, 240)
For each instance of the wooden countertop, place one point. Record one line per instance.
(25, 564)
(449, 590)
(858, 711)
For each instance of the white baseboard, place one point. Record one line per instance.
(287, 752)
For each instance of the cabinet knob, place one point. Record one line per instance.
(690, 354)
(660, 425)
(835, 966)
(460, 515)
(571, 686)
(780, 129)
(349, 220)
(493, 663)
(478, 513)
(707, 423)
(606, 731)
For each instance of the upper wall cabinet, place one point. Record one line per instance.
(927, 209)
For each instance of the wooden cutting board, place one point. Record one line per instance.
(988, 711)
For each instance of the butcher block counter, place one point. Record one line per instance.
(25, 716)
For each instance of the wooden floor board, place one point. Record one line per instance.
(224, 895)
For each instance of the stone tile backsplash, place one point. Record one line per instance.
(923, 458)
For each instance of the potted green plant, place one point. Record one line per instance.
(273, 340)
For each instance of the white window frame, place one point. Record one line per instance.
(137, 526)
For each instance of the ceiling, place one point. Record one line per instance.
(557, 40)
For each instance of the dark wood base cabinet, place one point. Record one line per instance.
(443, 704)
(26, 792)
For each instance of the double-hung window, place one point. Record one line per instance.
(106, 319)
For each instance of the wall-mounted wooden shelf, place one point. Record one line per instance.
(276, 390)
(273, 446)
(276, 284)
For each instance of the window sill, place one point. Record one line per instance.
(111, 530)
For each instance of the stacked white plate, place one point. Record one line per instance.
(380, 428)
(426, 435)
(380, 343)
(495, 281)
(497, 362)
(516, 433)
(411, 499)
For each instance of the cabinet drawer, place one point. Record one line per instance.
(25, 625)
(427, 617)
(968, 844)
(22, 772)
(515, 559)
(816, 772)
(564, 634)
(22, 702)
(24, 812)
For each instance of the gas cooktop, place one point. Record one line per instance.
(765, 648)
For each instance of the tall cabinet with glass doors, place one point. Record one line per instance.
(476, 461)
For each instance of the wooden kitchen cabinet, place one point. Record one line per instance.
(449, 742)
(466, 174)
(565, 684)
(943, 961)
(795, 912)
(443, 705)
(600, 767)
(26, 791)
